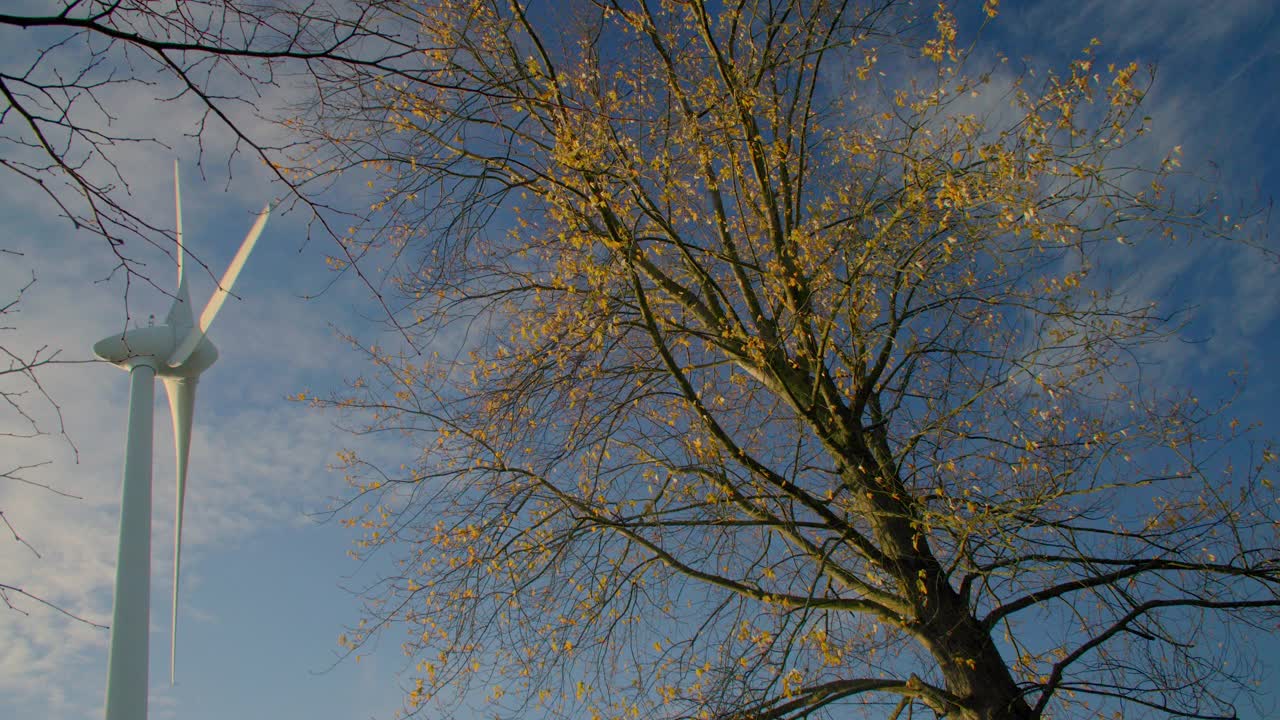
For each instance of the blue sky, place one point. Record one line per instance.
(265, 585)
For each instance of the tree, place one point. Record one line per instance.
(775, 375)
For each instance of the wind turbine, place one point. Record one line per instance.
(176, 351)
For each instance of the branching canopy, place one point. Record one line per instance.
(770, 375)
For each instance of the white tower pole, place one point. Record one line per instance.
(127, 662)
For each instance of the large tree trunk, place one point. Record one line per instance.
(972, 666)
(976, 675)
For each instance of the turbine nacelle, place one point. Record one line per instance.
(153, 346)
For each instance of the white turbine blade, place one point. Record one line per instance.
(180, 317)
(177, 210)
(188, 344)
(182, 400)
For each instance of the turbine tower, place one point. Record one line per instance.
(176, 351)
